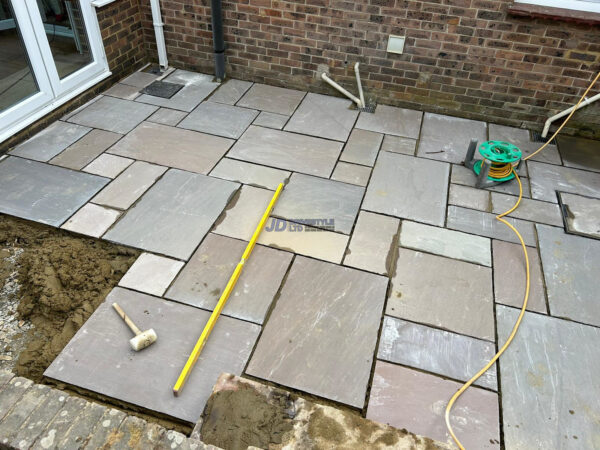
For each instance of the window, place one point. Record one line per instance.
(575, 5)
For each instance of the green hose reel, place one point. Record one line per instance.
(497, 155)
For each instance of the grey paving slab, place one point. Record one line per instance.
(316, 199)
(326, 347)
(166, 116)
(86, 149)
(151, 435)
(22, 409)
(391, 120)
(82, 427)
(151, 274)
(323, 116)
(131, 431)
(124, 91)
(230, 91)
(440, 352)
(222, 120)
(582, 214)
(550, 393)
(12, 392)
(442, 292)
(113, 114)
(124, 190)
(447, 138)
(469, 197)
(397, 144)
(106, 431)
(570, 264)
(57, 430)
(80, 108)
(44, 193)
(175, 214)
(140, 79)
(272, 99)
(173, 147)
(288, 151)
(546, 179)
(579, 153)
(205, 276)
(398, 188)
(444, 242)
(351, 173)
(463, 176)
(521, 139)
(485, 224)
(92, 220)
(271, 120)
(406, 398)
(243, 213)
(533, 210)
(373, 242)
(247, 173)
(509, 277)
(362, 147)
(99, 358)
(197, 87)
(49, 142)
(107, 165)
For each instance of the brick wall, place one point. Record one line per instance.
(468, 58)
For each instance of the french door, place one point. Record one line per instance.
(50, 51)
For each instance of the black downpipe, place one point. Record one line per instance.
(218, 41)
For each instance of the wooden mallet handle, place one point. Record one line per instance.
(127, 320)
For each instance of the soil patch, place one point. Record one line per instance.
(54, 281)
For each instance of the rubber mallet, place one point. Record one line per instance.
(142, 339)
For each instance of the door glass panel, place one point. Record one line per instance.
(17, 81)
(66, 33)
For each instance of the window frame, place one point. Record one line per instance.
(573, 5)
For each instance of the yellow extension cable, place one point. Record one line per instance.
(500, 217)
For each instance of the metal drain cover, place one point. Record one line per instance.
(369, 108)
(162, 89)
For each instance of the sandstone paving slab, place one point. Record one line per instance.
(362, 147)
(113, 114)
(107, 165)
(230, 91)
(485, 224)
(12, 392)
(205, 276)
(447, 138)
(579, 153)
(106, 430)
(521, 138)
(197, 86)
(469, 197)
(463, 176)
(305, 240)
(173, 147)
(408, 187)
(509, 277)
(124, 190)
(326, 347)
(444, 242)
(14, 419)
(397, 144)
(391, 120)
(86, 149)
(58, 428)
(533, 210)
(243, 213)
(351, 173)
(99, 358)
(373, 242)
(92, 220)
(272, 99)
(582, 214)
(151, 435)
(550, 393)
(175, 214)
(44, 193)
(151, 274)
(313, 198)
(444, 293)
(219, 119)
(288, 151)
(82, 427)
(139, 79)
(5, 377)
(271, 120)
(323, 116)
(124, 91)
(570, 264)
(440, 352)
(248, 173)
(130, 431)
(547, 179)
(166, 116)
(416, 401)
(49, 142)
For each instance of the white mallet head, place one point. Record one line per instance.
(143, 340)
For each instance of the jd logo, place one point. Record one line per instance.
(276, 225)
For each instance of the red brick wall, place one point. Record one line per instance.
(463, 57)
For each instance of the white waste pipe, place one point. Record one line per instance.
(342, 90)
(160, 35)
(566, 112)
(359, 84)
